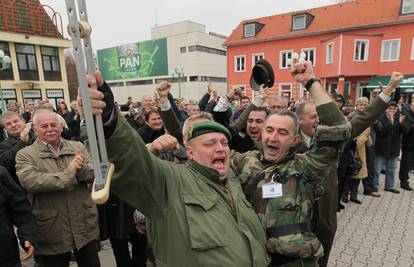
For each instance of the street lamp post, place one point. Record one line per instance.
(5, 64)
(179, 71)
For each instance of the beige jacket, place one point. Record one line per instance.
(362, 141)
(60, 198)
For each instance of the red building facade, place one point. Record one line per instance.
(350, 45)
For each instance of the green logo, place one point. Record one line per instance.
(134, 60)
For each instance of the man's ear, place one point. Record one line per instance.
(189, 151)
(296, 140)
(34, 130)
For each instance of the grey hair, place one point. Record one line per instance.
(287, 113)
(279, 98)
(361, 99)
(300, 109)
(9, 114)
(43, 111)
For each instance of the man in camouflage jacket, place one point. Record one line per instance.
(297, 178)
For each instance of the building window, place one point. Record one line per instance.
(310, 54)
(239, 63)
(116, 84)
(333, 87)
(6, 72)
(256, 57)
(249, 30)
(26, 61)
(361, 50)
(412, 49)
(50, 60)
(139, 82)
(205, 49)
(285, 90)
(299, 22)
(34, 95)
(285, 59)
(207, 78)
(390, 50)
(183, 49)
(9, 95)
(329, 53)
(183, 79)
(55, 96)
(407, 7)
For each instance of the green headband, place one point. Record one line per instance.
(206, 127)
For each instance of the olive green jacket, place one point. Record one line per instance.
(192, 219)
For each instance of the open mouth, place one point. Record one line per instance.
(272, 149)
(218, 163)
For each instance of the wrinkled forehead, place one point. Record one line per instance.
(209, 137)
(46, 117)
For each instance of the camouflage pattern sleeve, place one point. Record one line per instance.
(315, 164)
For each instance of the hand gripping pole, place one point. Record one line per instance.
(80, 30)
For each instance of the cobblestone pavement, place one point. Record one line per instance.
(380, 232)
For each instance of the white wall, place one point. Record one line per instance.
(194, 63)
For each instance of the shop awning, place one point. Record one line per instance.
(407, 84)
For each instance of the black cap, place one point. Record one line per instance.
(392, 103)
(340, 98)
(262, 73)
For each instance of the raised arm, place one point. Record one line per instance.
(140, 178)
(373, 112)
(168, 116)
(331, 134)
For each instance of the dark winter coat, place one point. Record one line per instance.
(8, 151)
(407, 129)
(388, 140)
(148, 134)
(14, 211)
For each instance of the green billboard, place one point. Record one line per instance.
(135, 60)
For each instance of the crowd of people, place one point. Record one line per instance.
(224, 181)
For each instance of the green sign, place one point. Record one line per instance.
(135, 60)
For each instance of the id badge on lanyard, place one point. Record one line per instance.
(272, 189)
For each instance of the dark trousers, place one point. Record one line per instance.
(324, 220)
(87, 256)
(406, 164)
(353, 187)
(121, 251)
(368, 182)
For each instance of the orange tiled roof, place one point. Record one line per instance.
(360, 13)
(29, 17)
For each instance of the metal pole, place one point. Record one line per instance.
(3, 104)
(179, 84)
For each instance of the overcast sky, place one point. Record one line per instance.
(116, 22)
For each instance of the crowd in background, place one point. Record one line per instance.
(387, 146)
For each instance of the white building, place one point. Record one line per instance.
(180, 49)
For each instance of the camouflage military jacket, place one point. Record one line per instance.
(302, 177)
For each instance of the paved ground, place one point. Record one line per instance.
(380, 232)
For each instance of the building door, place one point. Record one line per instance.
(55, 96)
(285, 90)
(362, 90)
(34, 95)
